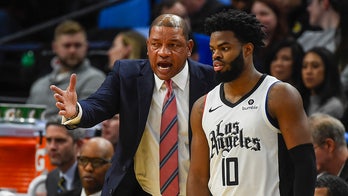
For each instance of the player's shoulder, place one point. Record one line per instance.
(279, 88)
(283, 93)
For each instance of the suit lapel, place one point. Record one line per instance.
(145, 85)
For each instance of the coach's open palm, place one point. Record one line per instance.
(66, 99)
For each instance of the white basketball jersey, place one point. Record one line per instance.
(244, 144)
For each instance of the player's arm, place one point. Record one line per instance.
(285, 105)
(198, 176)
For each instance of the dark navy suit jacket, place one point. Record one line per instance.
(128, 90)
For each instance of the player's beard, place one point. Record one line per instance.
(236, 68)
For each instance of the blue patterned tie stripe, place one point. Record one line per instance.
(172, 177)
(170, 126)
(168, 102)
(170, 153)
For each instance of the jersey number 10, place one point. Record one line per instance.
(230, 171)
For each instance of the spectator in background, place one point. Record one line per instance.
(296, 16)
(70, 46)
(110, 129)
(288, 5)
(93, 161)
(330, 145)
(286, 61)
(330, 185)
(198, 11)
(243, 5)
(62, 148)
(127, 45)
(270, 14)
(171, 7)
(320, 84)
(332, 17)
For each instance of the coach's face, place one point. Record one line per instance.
(168, 50)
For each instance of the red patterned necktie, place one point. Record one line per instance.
(169, 178)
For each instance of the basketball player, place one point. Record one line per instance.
(250, 133)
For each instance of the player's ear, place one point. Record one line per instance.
(248, 49)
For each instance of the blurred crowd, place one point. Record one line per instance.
(305, 45)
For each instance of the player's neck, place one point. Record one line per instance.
(237, 88)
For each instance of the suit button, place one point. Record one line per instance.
(124, 168)
(110, 191)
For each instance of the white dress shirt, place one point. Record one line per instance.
(83, 193)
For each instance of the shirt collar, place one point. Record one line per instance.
(83, 193)
(179, 79)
